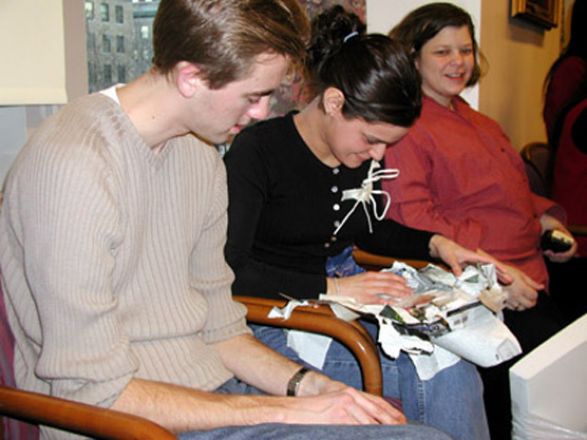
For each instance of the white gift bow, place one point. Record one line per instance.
(364, 194)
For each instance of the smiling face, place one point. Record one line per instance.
(228, 109)
(446, 63)
(353, 141)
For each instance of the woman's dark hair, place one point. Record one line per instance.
(375, 73)
(423, 23)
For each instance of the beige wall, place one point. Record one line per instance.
(43, 49)
(519, 56)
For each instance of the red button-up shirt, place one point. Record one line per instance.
(460, 176)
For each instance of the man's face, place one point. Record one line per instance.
(225, 111)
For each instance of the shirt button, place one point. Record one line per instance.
(333, 238)
(334, 189)
(336, 207)
(326, 245)
(336, 224)
(335, 171)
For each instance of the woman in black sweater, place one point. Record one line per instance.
(291, 223)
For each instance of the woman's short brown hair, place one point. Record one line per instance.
(423, 23)
(223, 37)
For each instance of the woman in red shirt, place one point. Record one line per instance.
(460, 176)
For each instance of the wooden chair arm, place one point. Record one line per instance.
(321, 320)
(77, 417)
(371, 261)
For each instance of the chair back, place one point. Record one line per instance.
(10, 429)
(536, 157)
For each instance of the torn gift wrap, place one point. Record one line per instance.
(447, 318)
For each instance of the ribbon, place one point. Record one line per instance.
(364, 194)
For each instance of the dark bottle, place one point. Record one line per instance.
(556, 241)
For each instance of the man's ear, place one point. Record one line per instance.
(333, 101)
(187, 78)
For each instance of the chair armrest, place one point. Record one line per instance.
(77, 417)
(370, 261)
(320, 319)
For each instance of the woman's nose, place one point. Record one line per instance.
(377, 151)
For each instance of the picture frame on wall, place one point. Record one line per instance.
(542, 12)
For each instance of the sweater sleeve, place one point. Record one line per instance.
(67, 207)
(210, 274)
(248, 189)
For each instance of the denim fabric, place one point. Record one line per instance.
(451, 401)
(302, 432)
(343, 264)
(323, 432)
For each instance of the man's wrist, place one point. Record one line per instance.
(293, 385)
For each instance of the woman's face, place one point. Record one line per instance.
(353, 141)
(446, 63)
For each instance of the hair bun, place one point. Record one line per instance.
(330, 31)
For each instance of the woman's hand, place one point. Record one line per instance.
(455, 256)
(370, 287)
(522, 291)
(549, 222)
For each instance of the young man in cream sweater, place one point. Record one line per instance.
(111, 244)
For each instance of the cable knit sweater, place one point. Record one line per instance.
(112, 258)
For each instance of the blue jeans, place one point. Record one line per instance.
(272, 431)
(452, 401)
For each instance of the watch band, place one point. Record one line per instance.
(294, 382)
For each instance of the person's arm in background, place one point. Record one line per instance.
(395, 240)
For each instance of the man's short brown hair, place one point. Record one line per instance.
(223, 37)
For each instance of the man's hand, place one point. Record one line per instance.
(182, 409)
(346, 406)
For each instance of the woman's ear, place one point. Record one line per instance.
(187, 78)
(333, 101)
(416, 59)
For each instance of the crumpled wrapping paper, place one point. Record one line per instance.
(459, 324)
